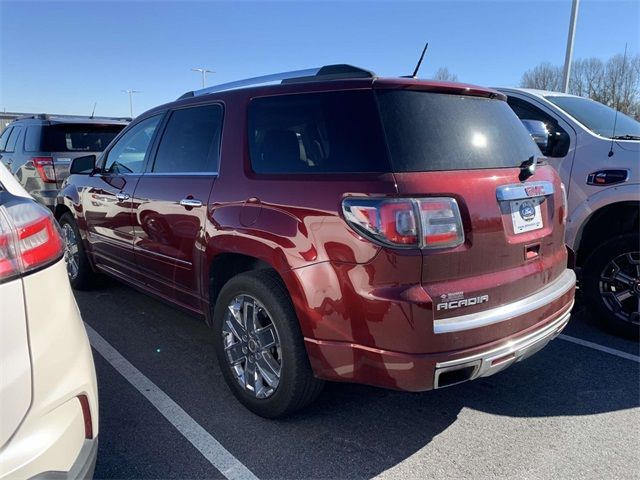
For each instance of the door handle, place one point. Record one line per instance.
(122, 196)
(190, 202)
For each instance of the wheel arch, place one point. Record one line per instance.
(60, 210)
(612, 219)
(227, 264)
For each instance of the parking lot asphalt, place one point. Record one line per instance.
(570, 411)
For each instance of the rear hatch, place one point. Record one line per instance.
(62, 142)
(470, 149)
(15, 359)
(29, 242)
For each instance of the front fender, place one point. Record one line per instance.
(69, 197)
(580, 215)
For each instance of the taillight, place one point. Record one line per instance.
(441, 222)
(432, 222)
(45, 168)
(29, 238)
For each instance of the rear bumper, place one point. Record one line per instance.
(551, 293)
(492, 361)
(352, 362)
(83, 467)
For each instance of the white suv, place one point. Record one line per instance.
(597, 154)
(48, 393)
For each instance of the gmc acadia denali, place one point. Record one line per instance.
(333, 225)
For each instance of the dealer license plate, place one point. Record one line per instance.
(526, 214)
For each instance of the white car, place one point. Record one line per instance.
(597, 153)
(48, 392)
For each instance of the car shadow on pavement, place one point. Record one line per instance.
(367, 431)
(351, 431)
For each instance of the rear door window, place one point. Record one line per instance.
(191, 141)
(428, 131)
(332, 132)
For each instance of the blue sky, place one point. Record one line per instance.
(61, 57)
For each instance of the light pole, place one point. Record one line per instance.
(131, 92)
(569, 54)
(204, 72)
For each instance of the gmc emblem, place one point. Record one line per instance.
(534, 191)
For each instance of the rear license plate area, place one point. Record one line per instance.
(526, 214)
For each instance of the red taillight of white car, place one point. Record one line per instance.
(29, 238)
(45, 168)
(432, 222)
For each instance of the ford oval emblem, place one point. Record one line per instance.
(527, 211)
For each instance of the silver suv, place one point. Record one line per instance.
(38, 149)
(598, 157)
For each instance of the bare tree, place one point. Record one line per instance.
(622, 82)
(614, 82)
(587, 78)
(444, 74)
(544, 77)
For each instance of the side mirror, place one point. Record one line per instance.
(539, 132)
(83, 165)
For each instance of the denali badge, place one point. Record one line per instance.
(457, 300)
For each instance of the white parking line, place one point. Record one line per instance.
(602, 348)
(206, 444)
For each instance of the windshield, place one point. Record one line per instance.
(598, 117)
(436, 131)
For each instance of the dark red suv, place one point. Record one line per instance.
(333, 226)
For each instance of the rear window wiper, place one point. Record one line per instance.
(528, 167)
(626, 137)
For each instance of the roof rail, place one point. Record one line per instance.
(39, 116)
(327, 72)
(53, 116)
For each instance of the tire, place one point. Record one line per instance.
(296, 386)
(602, 283)
(81, 276)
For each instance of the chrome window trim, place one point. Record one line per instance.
(518, 191)
(181, 174)
(548, 294)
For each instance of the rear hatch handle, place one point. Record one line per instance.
(526, 190)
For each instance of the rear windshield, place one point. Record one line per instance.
(434, 131)
(345, 132)
(70, 137)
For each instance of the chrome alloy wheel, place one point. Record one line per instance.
(620, 286)
(71, 253)
(252, 346)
